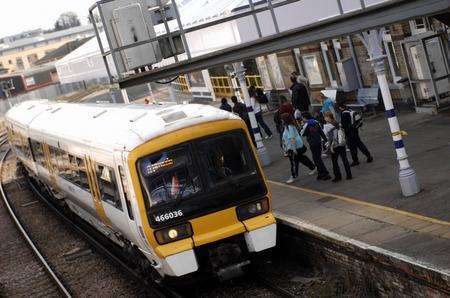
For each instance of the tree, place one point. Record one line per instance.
(67, 20)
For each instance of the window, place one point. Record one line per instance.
(38, 152)
(418, 26)
(107, 184)
(225, 157)
(126, 194)
(19, 63)
(169, 176)
(83, 179)
(312, 68)
(32, 58)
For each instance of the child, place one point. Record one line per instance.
(314, 134)
(336, 145)
(293, 146)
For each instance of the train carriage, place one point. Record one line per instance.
(179, 184)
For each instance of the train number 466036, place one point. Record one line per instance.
(168, 216)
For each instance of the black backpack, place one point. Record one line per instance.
(263, 99)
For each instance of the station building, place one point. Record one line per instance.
(21, 52)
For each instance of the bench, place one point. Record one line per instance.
(366, 98)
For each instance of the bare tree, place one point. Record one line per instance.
(67, 20)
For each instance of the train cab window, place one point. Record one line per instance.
(107, 184)
(226, 157)
(82, 175)
(169, 176)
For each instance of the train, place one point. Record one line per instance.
(179, 187)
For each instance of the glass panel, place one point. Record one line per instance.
(108, 185)
(225, 158)
(169, 175)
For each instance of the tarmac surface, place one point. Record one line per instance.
(370, 209)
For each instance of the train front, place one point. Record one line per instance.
(204, 202)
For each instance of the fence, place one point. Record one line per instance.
(223, 87)
(181, 84)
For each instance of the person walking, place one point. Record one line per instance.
(256, 105)
(336, 145)
(352, 122)
(241, 110)
(285, 107)
(300, 95)
(314, 134)
(225, 105)
(294, 147)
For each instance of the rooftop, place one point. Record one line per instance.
(44, 37)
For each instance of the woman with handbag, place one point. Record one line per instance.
(294, 147)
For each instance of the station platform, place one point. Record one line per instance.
(369, 213)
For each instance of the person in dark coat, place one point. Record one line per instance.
(300, 95)
(240, 109)
(225, 106)
(354, 141)
(314, 135)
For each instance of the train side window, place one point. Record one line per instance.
(71, 174)
(54, 153)
(82, 174)
(64, 164)
(107, 184)
(126, 194)
(38, 152)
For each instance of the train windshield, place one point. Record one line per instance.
(205, 174)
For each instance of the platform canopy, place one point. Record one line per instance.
(218, 32)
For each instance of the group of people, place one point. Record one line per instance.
(334, 129)
(257, 99)
(325, 134)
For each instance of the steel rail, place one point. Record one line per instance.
(101, 248)
(53, 276)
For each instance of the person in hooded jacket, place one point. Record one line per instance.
(294, 147)
(314, 135)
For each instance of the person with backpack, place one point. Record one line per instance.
(240, 109)
(352, 122)
(294, 147)
(256, 105)
(336, 145)
(314, 134)
(285, 107)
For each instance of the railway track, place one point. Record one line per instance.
(53, 277)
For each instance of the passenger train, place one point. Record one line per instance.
(179, 186)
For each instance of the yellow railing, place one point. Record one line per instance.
(223, 87)
(181, 84)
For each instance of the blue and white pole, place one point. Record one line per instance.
(262, 151)
(407, 176)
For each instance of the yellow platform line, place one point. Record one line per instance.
(362, 203)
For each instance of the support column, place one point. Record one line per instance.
(407, 176)
(125, 97)
(262, 151)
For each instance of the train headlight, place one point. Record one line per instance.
(173, 233)
(253, 209)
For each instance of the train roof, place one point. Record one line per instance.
(110, 126)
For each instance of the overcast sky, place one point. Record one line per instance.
(21, 15)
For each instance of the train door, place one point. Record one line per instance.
(51, 164)
(95, 192)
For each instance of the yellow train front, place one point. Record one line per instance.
(204, 195)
